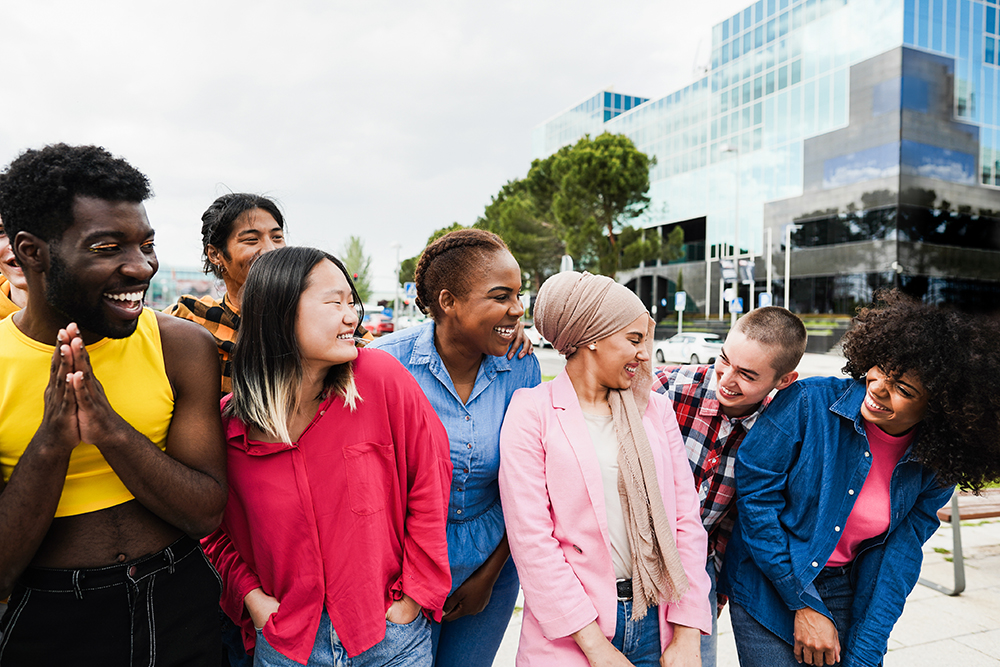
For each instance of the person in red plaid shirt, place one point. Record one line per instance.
(716, 405)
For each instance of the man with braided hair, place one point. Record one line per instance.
(463, 359)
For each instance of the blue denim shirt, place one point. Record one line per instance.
(475, 517)
(798, 474)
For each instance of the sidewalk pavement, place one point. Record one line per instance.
(934, 629)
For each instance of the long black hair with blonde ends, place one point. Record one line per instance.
(267, 362)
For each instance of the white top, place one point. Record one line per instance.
(605, 439)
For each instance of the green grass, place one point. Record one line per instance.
(546, 378)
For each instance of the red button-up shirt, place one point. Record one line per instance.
(347, 519)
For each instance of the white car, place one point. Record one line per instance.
(689, 348)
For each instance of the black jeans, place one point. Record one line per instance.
(157, 610)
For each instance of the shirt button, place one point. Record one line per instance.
(465, 470)
(458, 511)
(460, 489)
(815, 564)
(836, 528)
(469, 445)
(850, 492)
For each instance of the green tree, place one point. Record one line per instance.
(358, 265)
(602, 185)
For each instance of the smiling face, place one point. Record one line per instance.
(326, 318)
(9, 267)
(100, 269)
(485, 317)
(254, 233)
(894, 404)
(616, 358)
(745, 375)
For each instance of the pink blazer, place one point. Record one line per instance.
(553, 504)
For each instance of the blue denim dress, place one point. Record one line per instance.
(475, 517)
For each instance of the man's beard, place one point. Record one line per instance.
(65, 295)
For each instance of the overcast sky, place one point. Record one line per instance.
(385, 120)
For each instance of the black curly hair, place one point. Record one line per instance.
(955, 357)
(218, 219)
(449, 262)
(38, 188)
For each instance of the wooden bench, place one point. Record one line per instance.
(963, 507)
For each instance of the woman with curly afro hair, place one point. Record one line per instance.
(840, 480)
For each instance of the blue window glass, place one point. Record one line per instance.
(868, 164)
(783, 24)
(736, 24)
(951, 23)
(758, 88)
(757, 111)
(991, 20)
(758, 37)
(797, 13)
(772, 30)
(769, 83)
(989, 51)
(747, 42)
(607, 115)
(618, 101)
(772, 6)
(725, 53)
(937, 26)
(782, 77)
(908, 22)
(746, 93)
(628, 102)
(784, 4)
(811, 7)
(923, 25)
(725, 30)
(796, 72)
(934, 162)
(758, 11)
(747, 18)
(607, 100)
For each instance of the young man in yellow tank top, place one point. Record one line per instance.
(111, 447)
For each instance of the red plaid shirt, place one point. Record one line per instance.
(711, 439)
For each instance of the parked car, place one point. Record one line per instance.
(689, 348)
(536, 338)
(378, 324)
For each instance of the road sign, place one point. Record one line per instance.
(736, 305)
(680, 301)
(763, 299)
(411, 290)
(728, 270)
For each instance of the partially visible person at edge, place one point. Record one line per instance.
(601, 509)
(332, 549)
(235, 230)
(716, 406)
(469, 284)
(111, 447)
(13, 286)
(840, 480)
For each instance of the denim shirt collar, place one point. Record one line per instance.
(848, 406)
(425, 354)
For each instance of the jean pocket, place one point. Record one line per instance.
(371, 468)
(411, 624)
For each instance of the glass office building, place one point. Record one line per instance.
(859, 136)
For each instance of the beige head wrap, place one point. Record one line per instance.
(573, 310)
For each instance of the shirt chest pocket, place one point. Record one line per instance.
(371, 471)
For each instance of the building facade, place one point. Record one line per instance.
(860, 137)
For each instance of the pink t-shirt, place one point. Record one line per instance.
(871, 512)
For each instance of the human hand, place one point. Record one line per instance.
(816, 640)
(95, 416)
(599, 650)
(471, 597)
(260, 606)
(520, 341)
(684, 649)
(59, 413)
(403, 611)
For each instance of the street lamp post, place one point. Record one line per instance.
(732, 148)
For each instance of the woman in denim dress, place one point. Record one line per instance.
(469, 284)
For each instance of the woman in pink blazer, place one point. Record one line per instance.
(601, 509)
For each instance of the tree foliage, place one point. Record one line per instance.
(358, 265)
(408, 266)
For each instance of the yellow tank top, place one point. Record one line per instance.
(135, 381)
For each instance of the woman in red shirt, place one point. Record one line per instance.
(333, 540)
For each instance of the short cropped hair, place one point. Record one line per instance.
(218, 219)
(776, 328)
(38, 188)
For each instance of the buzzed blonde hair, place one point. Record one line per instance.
(776, 328)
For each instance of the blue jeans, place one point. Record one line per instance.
(473, 641)
(639, 641)
(759, 647)
(403, 646)
(710, 643)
